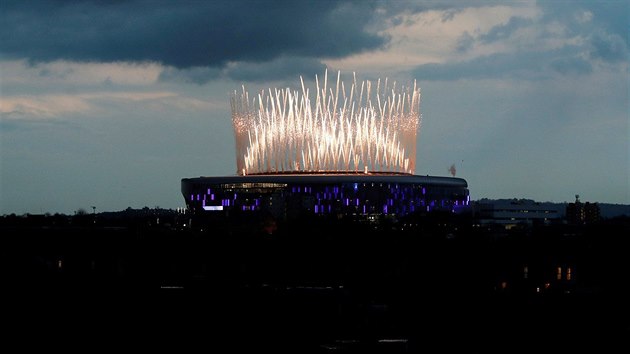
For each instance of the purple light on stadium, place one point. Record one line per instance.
(363, 127)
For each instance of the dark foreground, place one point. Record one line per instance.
(326, 288)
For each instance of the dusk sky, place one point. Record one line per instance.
(111, 103)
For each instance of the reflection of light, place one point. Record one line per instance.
(213, 207)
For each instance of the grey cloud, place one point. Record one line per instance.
(608, 47)
(571, 65)
(604, 25)
(197, 75)
(278, 69)
(465, 42)
(449, 14)
(603, 42)
(450, 7)
(477, 68)
(522, 65)
(503, 31)
(185, 34)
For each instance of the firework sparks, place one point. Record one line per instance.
(363, 128)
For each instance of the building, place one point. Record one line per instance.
(582, 213)
(326, 195)
(516, 212)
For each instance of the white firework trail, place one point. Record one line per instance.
(344, 130)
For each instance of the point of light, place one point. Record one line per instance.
(347, 130)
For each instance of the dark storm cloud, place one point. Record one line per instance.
(279, 69)
(185, 34)
(521, 65)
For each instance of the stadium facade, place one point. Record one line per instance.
(363, 195)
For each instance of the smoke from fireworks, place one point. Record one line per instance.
(355, 129)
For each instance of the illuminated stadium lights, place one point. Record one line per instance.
(343, 130)
(286, 196)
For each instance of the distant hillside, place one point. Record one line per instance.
(613, 210)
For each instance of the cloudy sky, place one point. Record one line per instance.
(111, 103)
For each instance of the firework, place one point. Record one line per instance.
(357, 129)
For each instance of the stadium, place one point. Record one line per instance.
(346, 153)
(287, 196)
